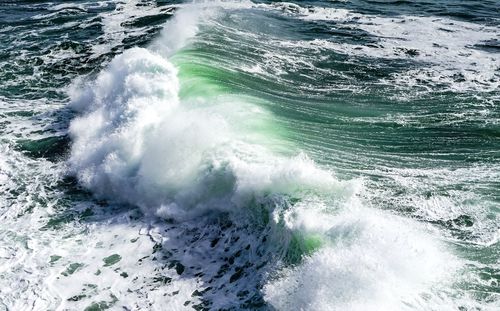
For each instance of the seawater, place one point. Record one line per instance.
(208, 155)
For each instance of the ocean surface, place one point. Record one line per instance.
(250, 155)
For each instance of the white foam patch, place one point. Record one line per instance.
(461, 198)
(114, 23)
(118, 271)
(370, 260)
(68, 266)
(445, 48)
(4, 169)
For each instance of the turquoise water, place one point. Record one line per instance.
(316, 155)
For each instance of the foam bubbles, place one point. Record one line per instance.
(448, 51)
(369, 260)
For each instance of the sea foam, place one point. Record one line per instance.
(369, 261)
